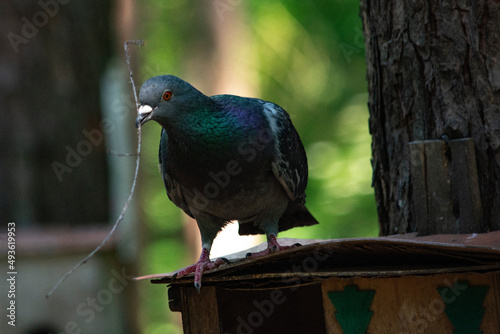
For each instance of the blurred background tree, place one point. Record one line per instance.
(58, 184)
(39, 53)
(307, 57)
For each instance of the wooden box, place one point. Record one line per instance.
(434, 284)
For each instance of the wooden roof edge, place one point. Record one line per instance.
(472, 243)
(487, 241)
(341, 273)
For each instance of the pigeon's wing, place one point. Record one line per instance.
(174, 191)
(290, 162)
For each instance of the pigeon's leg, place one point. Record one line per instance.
(204, 263)
(272, 246)
(209, 228)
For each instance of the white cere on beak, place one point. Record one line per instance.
(145, 109)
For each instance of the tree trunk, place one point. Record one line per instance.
(52, 154)
(433, 71)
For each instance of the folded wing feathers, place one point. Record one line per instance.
(290, 163)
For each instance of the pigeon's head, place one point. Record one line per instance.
(165, 98)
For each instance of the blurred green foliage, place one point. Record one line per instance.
(308, 57)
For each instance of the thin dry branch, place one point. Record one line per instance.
(132, 189)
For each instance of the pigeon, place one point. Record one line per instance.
(227, 158)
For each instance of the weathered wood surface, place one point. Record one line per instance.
(433, 69)
(408, 304)
(413, 304)
(200, 314)
(364, 257)
(290, 291)
(445, 187)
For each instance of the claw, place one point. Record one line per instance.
(272, 246)
(199, 268)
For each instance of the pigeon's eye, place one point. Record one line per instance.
(167, 95)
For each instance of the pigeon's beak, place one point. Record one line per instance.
(145, 114)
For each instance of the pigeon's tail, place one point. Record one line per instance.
(300, 217)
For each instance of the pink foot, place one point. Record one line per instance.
(199, 267)
(272, 246)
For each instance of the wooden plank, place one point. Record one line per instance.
(418, 177)
(431, 187)
(174, 299)
(370, 255)
(317, 275)
(496, 293)
(199, 310)
(465, 186)
(295, 309)
(440, 214)
(412, 304)
(446, 187)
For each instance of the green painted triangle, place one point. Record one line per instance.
(464, 306)
(353, 308)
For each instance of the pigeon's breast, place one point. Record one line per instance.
(222, 173)
(243, 197)
(196, 158)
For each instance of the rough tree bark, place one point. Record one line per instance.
(433, 69)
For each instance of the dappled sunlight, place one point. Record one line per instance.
(229, 241)
(292, 58)
(340, 175)
(168, 255)
(162, 328)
